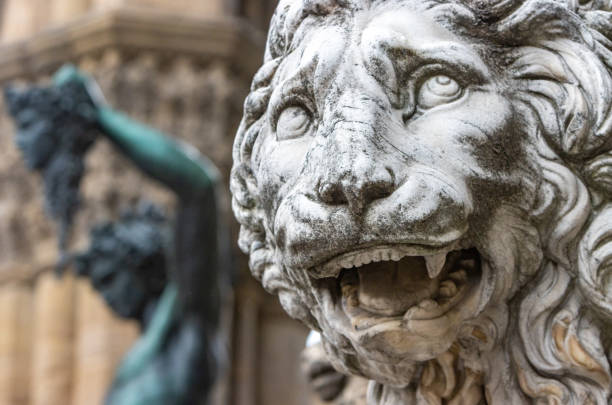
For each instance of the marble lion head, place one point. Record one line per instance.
(429, 184)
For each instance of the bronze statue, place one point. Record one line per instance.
(171, 282)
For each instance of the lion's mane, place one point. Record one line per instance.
(558, 55)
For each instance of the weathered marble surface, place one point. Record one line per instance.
(429, 184)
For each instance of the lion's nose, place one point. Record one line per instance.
(356, 188)
(354, 169)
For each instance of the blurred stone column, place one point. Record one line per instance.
(100, 343)
(245, 358)
(18, 19)
(67, 10)
(53, 339)
(103, 4)
(15, 336)
(197, 7)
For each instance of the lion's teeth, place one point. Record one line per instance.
(459, 276)
(347, 263)
(410, 313)
(368, 258)
(435, 264)
(447, 289)
(428, 304)
(396, 256)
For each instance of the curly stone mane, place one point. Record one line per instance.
(558, 55)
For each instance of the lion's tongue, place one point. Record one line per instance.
(391, 288)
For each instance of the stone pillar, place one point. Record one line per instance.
(277, 334)
(103, 4)
(42, 14)
(53, 338)
(18, 20)
(15, 336)
(63, 11)
(257, 11)
(197, 7)
(245, 358)
(100, 343)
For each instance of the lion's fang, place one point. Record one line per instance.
(435, 264)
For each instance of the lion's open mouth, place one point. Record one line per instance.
(385, 283)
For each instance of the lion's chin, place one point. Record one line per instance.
(395, 307)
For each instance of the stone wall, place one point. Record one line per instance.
(22, 18)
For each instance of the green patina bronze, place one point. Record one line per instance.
(171, 285)
(178, 166)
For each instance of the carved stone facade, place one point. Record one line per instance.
(181, 66)
(427, 183)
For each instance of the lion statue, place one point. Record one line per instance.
(428, 183)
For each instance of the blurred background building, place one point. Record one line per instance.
(183, 66)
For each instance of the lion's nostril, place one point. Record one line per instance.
(332, 194)
(357, 192)
(380, 189)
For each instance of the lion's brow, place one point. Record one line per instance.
(461, 58)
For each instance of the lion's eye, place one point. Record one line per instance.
(438, 90)
(293, 122)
